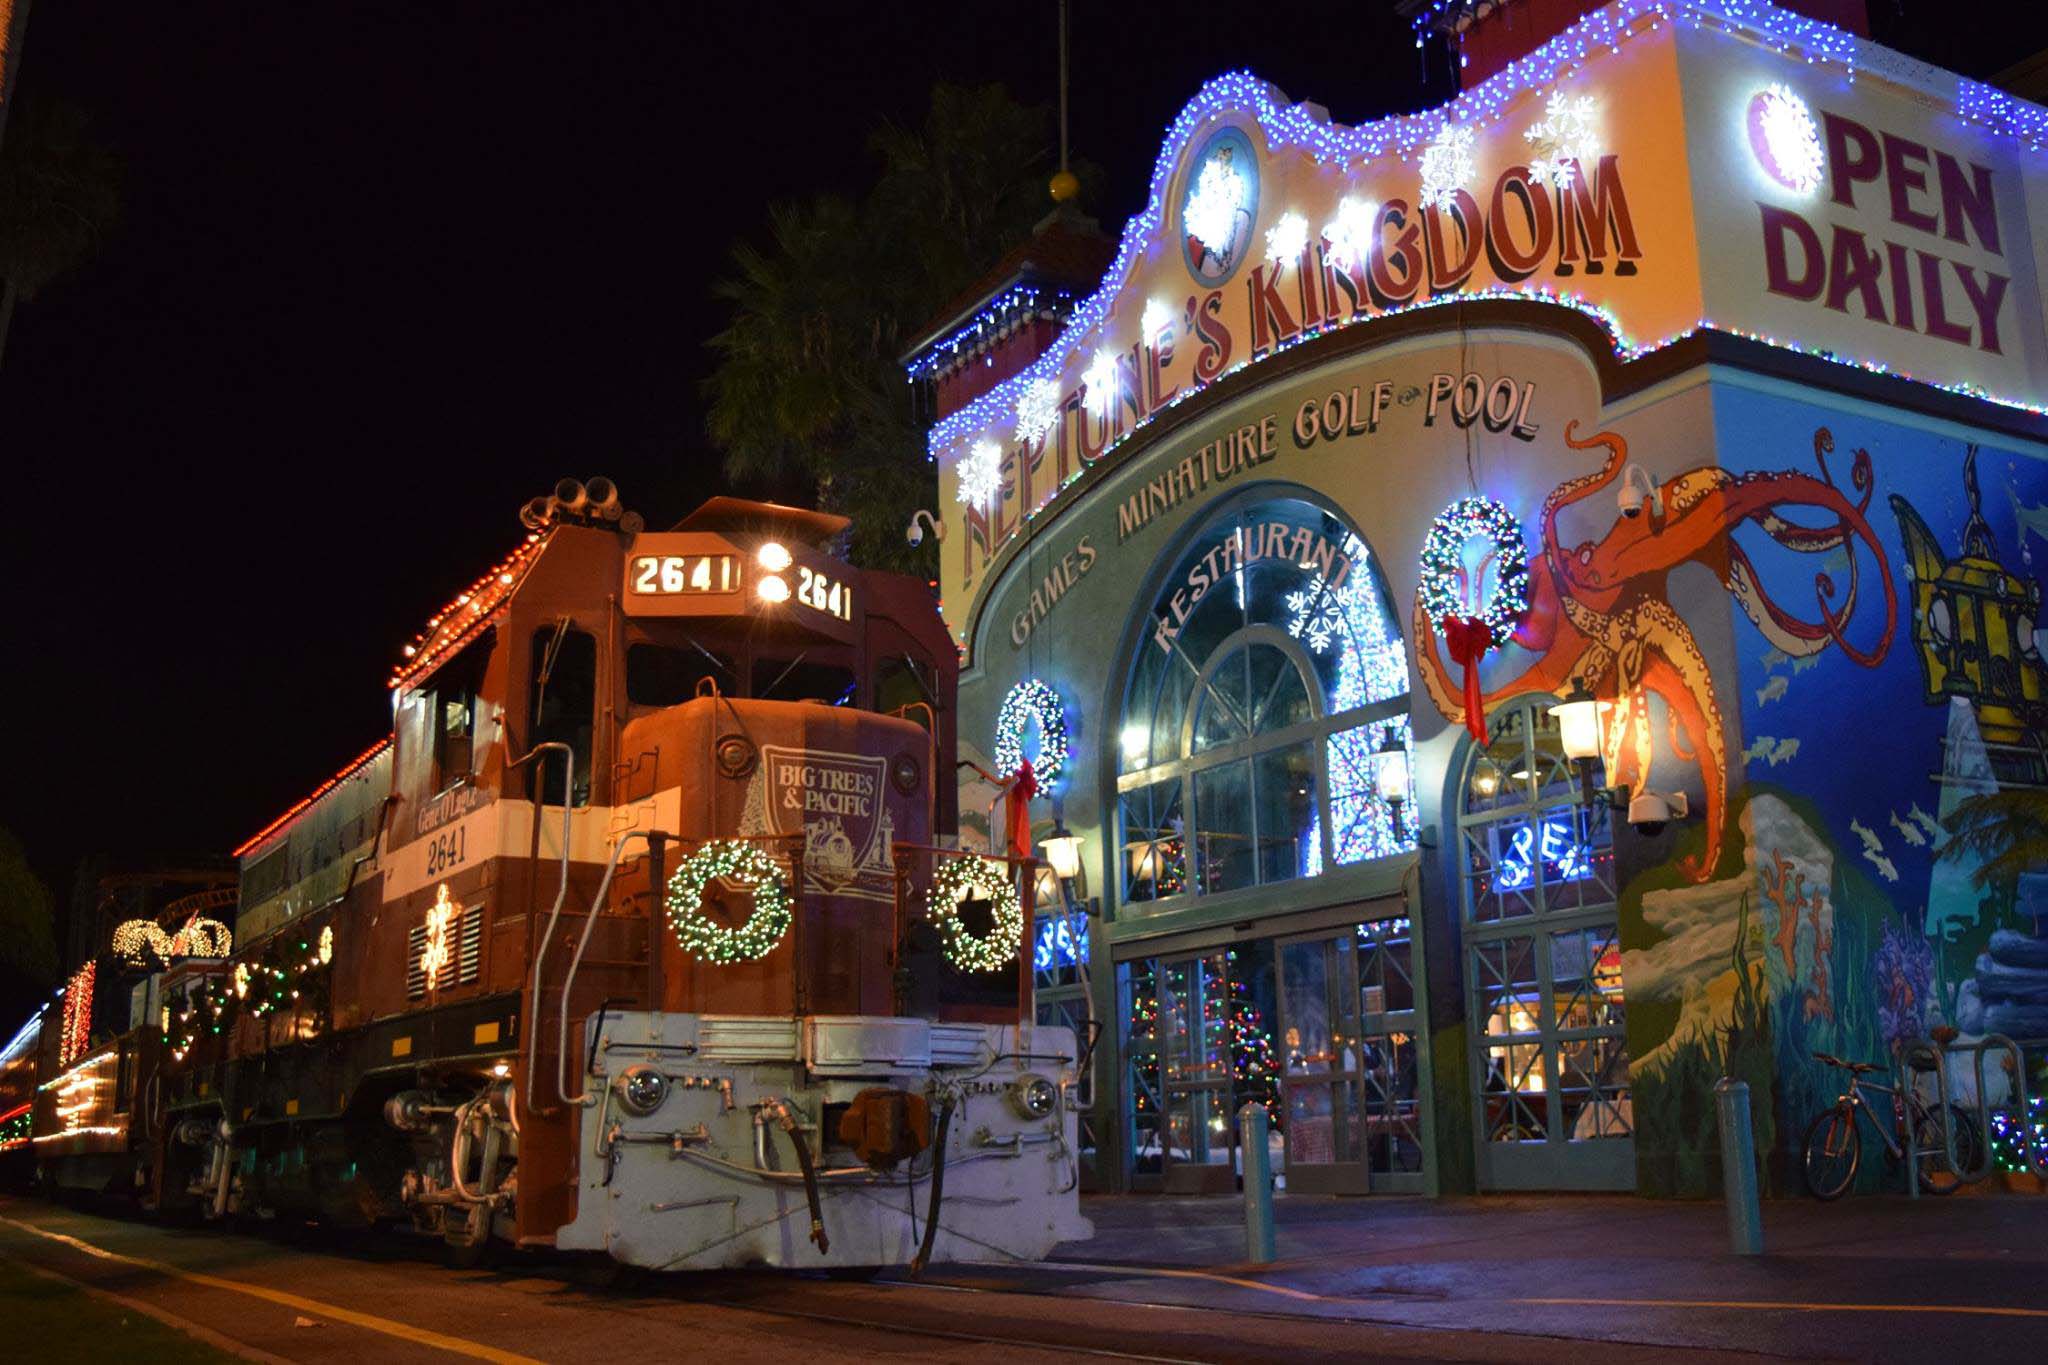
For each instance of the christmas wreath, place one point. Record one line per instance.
(729, 860)
(1447, 588)
(1032, 702)
(951, 884)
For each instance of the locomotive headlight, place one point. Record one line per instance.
(773, 556)
(772, 588)
(1033, 1096)
(642, 1090)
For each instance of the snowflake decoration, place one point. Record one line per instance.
(1318, 612)
(1038, 409)
(1783, 137)
(1158, 317)
(1211, 211)
(1564, 139)
(980, 473)
(1287, 238)
(1350, 232)
(1446, 166)
(1100, 380)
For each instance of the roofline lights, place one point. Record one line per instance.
(1403, 137)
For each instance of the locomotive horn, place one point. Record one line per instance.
(604, 498)
(570, 496)
(535, 514)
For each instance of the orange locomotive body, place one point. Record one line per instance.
(621, 941)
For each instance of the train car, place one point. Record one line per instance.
(19, 1073)
(642, 933)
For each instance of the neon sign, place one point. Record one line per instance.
(1060, 943)
(1564, 857)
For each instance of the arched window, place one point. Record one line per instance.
(1269, 673)
(1544, 964)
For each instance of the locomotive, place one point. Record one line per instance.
(645, 931)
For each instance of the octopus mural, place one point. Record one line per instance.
(1600, 612)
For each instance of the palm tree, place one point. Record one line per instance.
(807, 386)
(2007, 829)
(59, 193)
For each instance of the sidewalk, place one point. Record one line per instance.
(1867, 1278)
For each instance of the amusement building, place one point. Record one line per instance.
(1504, 605)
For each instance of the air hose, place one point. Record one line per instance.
(803, 1159)
(931, 1218)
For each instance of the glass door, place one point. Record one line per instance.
(1194, 1012)
(1390, 1045)
(1320, 1063)
(1199, 1046)
(1351, 1051)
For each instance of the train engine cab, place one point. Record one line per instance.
(644, 933)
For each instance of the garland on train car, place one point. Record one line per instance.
(951, 884)
(705, 938)
(289, 973)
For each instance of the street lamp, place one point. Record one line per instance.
(1390, 775)
(1578, 723)
(1062, 850)
(1578, 730)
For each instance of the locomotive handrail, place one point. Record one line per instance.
(540, 951)
(583, 1095)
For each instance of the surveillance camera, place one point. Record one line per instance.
(1650, 811)
(915, 535)
(1638, 491)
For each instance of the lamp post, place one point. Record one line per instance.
(1578, 727)
(1390, 776)
(1062, 850)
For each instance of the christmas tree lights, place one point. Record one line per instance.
(953, 881)
(731, 860)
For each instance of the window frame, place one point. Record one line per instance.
(1184, 766)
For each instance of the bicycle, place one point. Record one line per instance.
(1834, 1143)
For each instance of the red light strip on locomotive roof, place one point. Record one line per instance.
(470, 610)
(348, 770)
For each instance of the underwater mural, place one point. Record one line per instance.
(1892, 803)
(1870, 860)
(1601, 612)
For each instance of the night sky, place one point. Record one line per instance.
(384, 271)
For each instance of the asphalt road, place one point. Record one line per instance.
(1439, 1286)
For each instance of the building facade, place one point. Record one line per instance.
(1695, 360)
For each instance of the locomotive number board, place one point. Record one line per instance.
(822, 592)
(683, 575)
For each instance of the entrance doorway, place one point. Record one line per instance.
(1351, 1055)
(1199, 1047)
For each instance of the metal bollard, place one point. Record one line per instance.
(1738, 1168)
(1258, 1183)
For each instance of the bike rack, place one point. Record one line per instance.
(1913, 1052)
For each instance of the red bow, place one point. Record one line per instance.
(1469, 639)
(1017, 814)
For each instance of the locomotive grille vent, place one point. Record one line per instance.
(467, 951)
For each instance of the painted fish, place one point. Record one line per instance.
(1774, 689)
(1909, 831)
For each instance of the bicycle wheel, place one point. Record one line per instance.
(1833, 1147)
(1936, 1176)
